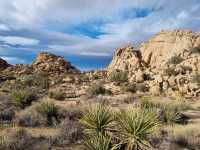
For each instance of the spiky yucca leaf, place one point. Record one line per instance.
(98, 143)
(97, 119)
(134, 126)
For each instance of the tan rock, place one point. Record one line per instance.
(159, 49)
(47, 62)
(126, 59)
(139, 76)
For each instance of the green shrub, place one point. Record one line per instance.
(195, 50)
(170, 71)
(96, 89)
(57, 95)
(171, 116)
(129, 88)
(118, 76)
(145, 103)
(22, 97)
(175, 60)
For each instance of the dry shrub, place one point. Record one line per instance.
(70, 132)
(185, 135)
(30, 118)
(15, 139)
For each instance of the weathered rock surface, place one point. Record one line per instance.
(47, 62)
(126, 59)
(166, 44)
(3, 64)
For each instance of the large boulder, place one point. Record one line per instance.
(126, 59)
(47, 62)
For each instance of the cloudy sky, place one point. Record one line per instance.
(87, 32)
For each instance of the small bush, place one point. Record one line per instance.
(41, 80)
(196, 78)
(129, 88)
(7, 114)
(170, 71)
(175, 60)
(57, 95)
(118, 76)
(70, 132)
(171, 117)
(22, 97)
(96, 89)
(141, 87)
(30, 118)
(185, 135)
(195, 50)
(47, 109)
(16, 140)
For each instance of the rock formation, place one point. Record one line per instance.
(169, 60)
(166, 44)
(126, 59)
(3, 64)
(47, 62)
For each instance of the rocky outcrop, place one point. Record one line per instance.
(126, 59)
(166, 44)
(3, 64)
(47, 62)
(165, 63)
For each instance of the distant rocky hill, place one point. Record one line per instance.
(45, 62)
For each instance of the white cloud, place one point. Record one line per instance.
(14, 60)
(14, 40)
(3, 27)
(45, 22)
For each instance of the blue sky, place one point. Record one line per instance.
(87, 32)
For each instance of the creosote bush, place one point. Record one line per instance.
(118, 76)
(57, 95)
(97, 89)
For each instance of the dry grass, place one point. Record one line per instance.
(185, 135)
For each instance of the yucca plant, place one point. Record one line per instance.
(134, 126)
(98, 143)
(22, 97)
(97, 119)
